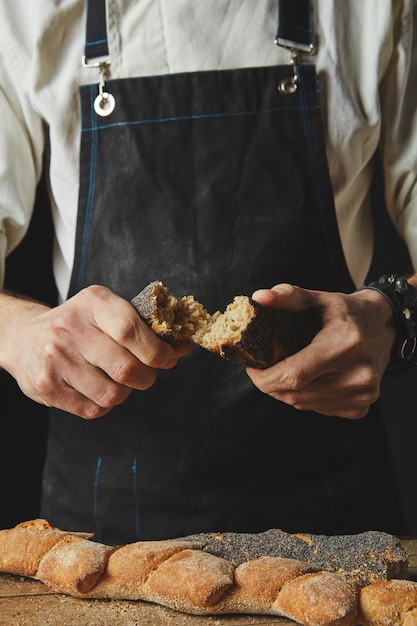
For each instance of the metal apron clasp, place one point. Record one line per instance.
(289, 85)
(104, 103)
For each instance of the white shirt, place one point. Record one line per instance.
(366, 61)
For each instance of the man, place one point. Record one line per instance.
(209, 159)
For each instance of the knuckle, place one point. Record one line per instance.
(50, 352)
(123, 371)
(127, 329)
(96, 292)
(158, 360)
(370, 383)
(42, 382)
(128, 373)
(352, 342)
(92, 411)
(112, 395)
(293, 381)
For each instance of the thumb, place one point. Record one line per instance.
(283, 296)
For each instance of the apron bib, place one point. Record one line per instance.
(217, 184)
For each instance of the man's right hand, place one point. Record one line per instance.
(85, 355)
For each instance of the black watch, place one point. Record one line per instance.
(403, 300)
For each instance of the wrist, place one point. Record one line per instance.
(16, 314)
(402, 298)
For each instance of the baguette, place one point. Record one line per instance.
(392, 602)
(247, 332)
(23, 547)
(363, 558)
(186, 575)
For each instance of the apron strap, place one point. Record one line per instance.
(295, 25)
(96, 44)
(96, 54)
(295, 32)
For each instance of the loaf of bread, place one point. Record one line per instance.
(392, 602)
(186, 575)
(363, 558)
(23, 547)
(247, 332)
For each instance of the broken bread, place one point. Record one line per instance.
(247, 332)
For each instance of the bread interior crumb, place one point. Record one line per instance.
(186, 319)
(227, 328)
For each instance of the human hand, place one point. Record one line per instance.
(340, 372)
(84, 356)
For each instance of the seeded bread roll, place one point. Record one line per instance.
(247, 332)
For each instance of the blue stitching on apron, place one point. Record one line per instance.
(303, 109)
(95, 498)
(94, 43)
(194, 117)
(135, 496)
(91, 189)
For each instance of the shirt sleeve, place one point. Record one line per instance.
(398, 143)
(22, 145)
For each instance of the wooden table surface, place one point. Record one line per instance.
(26, 602)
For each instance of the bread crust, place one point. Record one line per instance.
(247, 332)
(389, 602)
(187, 575)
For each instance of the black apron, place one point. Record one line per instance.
(217, 184)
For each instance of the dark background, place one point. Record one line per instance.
(24, 423)
(399, 399)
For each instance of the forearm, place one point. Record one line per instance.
(16, 314)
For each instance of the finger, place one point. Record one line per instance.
(97, 389)
(66, 397)
(183, 348)
(347, 405)
(117, 318)
(74, 402)
(346, 395)
(98, 369)
(294, 372)
(284, 296)
(111, 362)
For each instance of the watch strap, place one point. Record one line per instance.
(402, 297)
